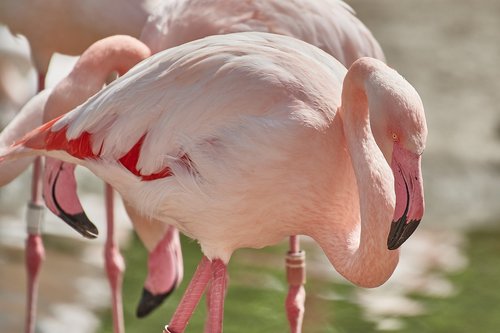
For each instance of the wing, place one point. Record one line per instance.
(203, 91)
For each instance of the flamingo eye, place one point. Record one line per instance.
(395, 137)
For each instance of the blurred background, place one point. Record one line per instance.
(448, 279)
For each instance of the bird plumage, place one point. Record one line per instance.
(328, 24)
(249, 126)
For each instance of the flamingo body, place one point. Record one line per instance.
(173, 149)
(328, 24)
(69, 27)
(243, 139)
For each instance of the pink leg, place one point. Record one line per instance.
(215, 297)
(208, 296)
(35, 252)
(191, 297)
(296, 276)
(115, 264)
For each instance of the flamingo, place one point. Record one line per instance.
(112, 54)
(243, 139)
(102, 58)
(328, 24)
(67, 27)
(71, 27)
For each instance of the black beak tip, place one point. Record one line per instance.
(400, 232)
(81, 223)
(150, 302)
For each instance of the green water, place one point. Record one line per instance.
(257, 290)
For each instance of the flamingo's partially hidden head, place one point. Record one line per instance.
(59, 192)
(165, 272)
(400, 130)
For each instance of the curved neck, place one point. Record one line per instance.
(91, 72)
(97, 63)
(359, 252)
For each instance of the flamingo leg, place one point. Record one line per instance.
(35, 251)
(296, 276)
(191, 297)
(208, 296)
(215, 297)
(115, 265)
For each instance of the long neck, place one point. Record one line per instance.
(359, 251)
(97, 63)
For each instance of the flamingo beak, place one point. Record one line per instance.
(164, 273)
(61, 198)
(150, 302)
(409, 190)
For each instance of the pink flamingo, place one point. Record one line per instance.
(113, 54)
(328, 24)
(117, 53)
(67, 28)
(243, 139)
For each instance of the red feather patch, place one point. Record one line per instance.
(130, 159)
(81, 148)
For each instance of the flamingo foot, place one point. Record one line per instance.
(296, 275)
(165, 272)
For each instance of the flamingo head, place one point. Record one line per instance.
(61, 197)
(400, 130)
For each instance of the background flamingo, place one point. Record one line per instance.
(327, 24)
(67, 28)
(259, 122)
(102, 58)
(117, 53)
